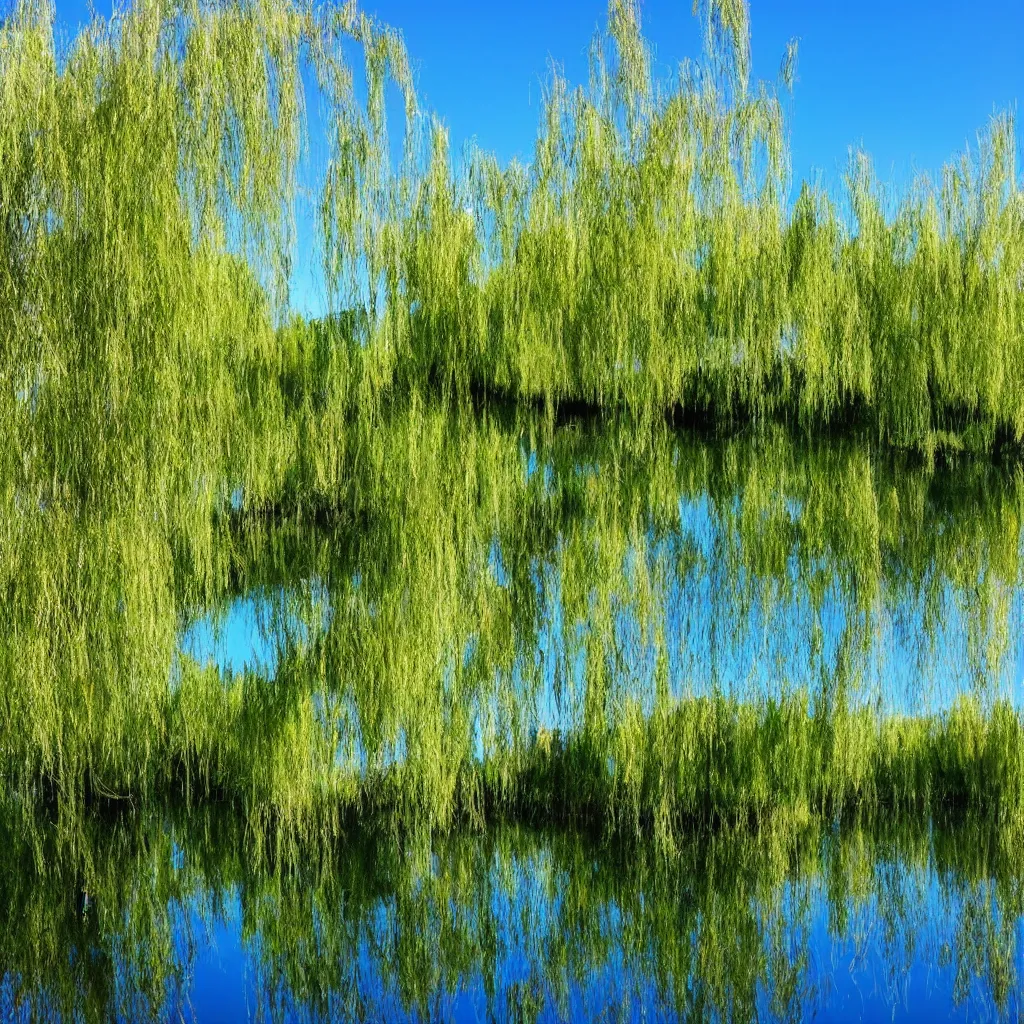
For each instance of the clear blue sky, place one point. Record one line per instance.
(910, 80)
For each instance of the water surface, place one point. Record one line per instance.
(523, 725)
(171, 917)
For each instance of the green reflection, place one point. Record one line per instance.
(110, 917)
(502, 615)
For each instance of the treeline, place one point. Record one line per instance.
(648, 257)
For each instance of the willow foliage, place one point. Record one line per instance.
(148, 203)
(158, 400)
(648, 255)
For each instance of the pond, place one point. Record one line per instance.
(179, 916)
(537, 720)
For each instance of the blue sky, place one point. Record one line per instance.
(910, 80)
(913, 80)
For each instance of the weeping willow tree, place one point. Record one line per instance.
(649, 256)
(148, 206)
(154, 172)
(156, 394)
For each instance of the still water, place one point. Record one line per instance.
(494, 590)
(862, 921)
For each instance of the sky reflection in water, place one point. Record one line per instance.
(554, 928)
(694, 575)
